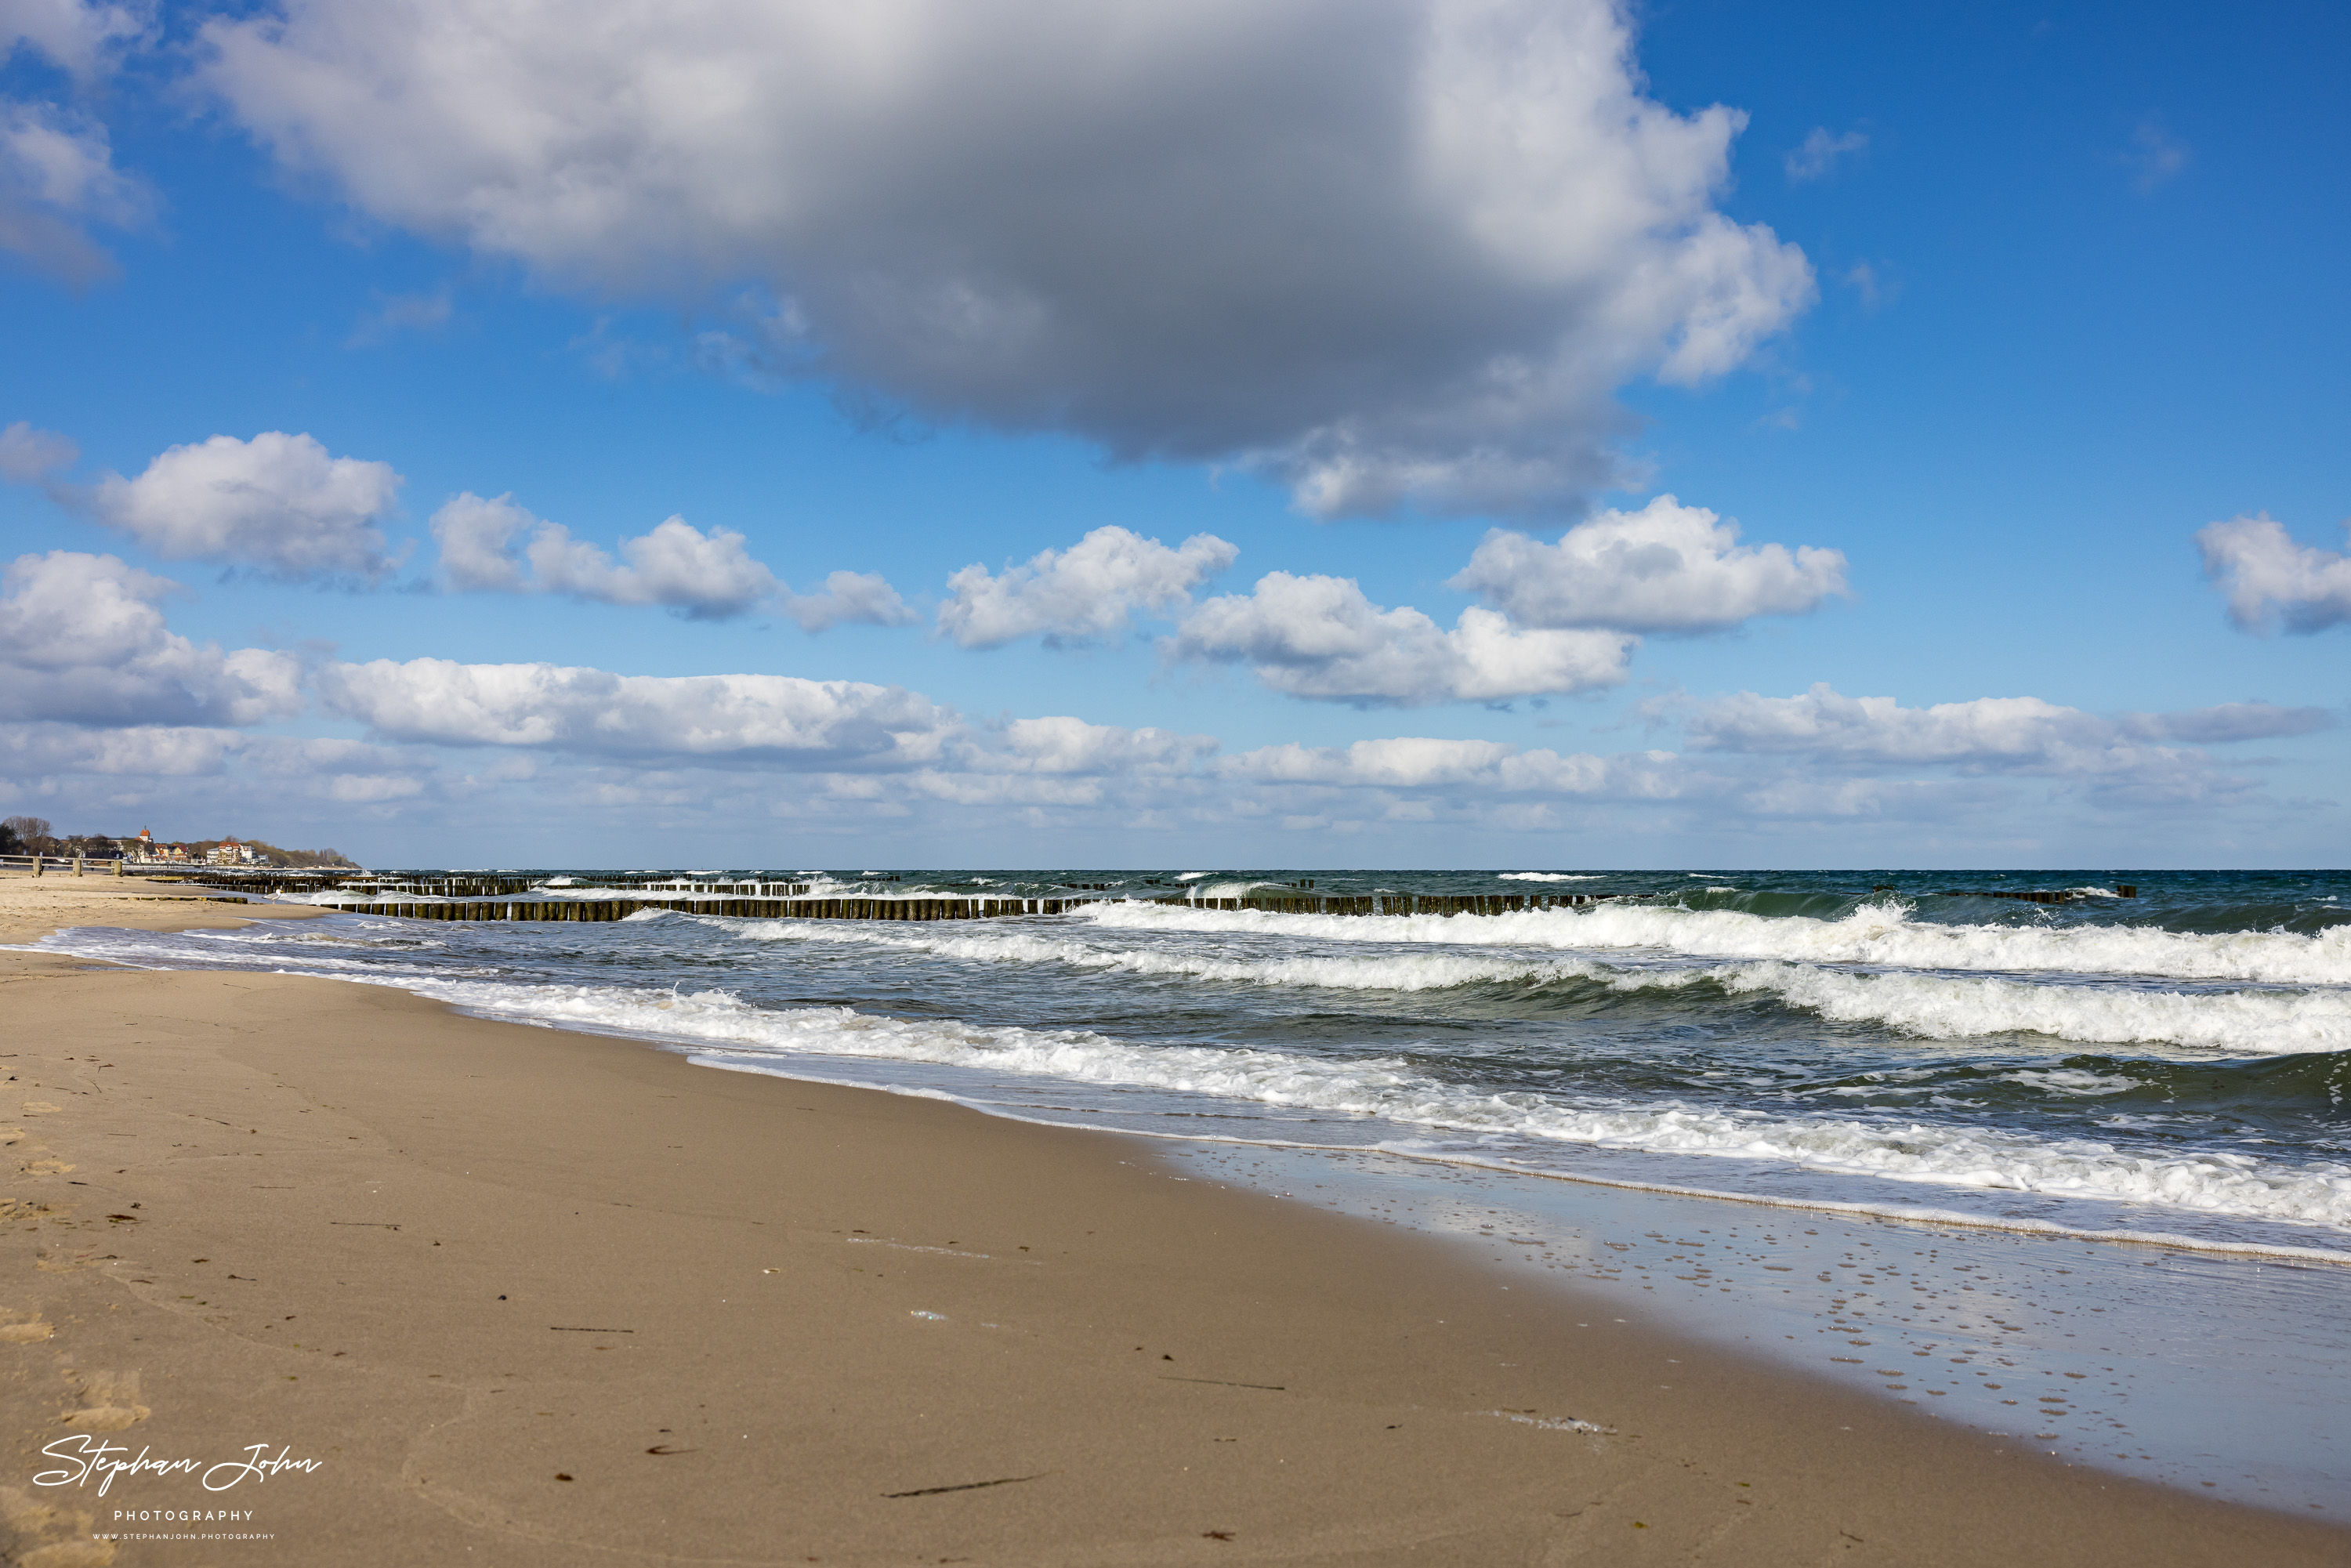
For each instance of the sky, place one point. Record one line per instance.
(1521, 434)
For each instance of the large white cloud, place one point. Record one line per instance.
(1666, 568)
(594, 712)
(2270, 578)
(1396, 252)
(81, 640)
(1089, 591)
(706, 577)
(1320, 637)
(279, 502)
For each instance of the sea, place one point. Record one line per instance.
(2077, 1173)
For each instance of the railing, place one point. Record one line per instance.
(64, 865)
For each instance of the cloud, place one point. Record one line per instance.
(28, 457)
(1411, 762)
(1088, 591)
(278, 502)
(1873, 290)
(393, 313)
(2232, 721)
(709, 576)
(862, 596)
(2123, 758)
(590, 712)
(2269, 579)
(1320, 637)
(1666, 568)
(1402, 255)
(152, 751)
(704, 577)
(57, 178)
(1817, 158)
(1072, 746)
(2156, 157)
(82, 640)
(77, 35)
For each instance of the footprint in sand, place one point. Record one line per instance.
(27, 1332)
(41, 1108)
(109, 1402)
(46, 1168)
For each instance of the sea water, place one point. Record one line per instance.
(1855, 1055)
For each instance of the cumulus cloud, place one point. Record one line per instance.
(594, 712)
(1392, 255)
(2270, 580)
(1666, 568)
(1087, 591)
(81, 640)
(1320, 637)
(58, 179)
(1818, 156)
(278, 502)
(28, 457)
(494, 545)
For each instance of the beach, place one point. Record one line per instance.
(521, 1295)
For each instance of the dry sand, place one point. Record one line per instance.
(529, 1297)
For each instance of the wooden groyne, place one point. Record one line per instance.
(2035, 895)
(605, 909)
(1405, 903)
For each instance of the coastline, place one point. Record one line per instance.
(847, 1325)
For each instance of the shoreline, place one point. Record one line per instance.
(915, 1321)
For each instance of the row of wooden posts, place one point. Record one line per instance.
(605, 909)
(601, 909)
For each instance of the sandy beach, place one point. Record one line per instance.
(521, 1296)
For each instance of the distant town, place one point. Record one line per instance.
(28, 836)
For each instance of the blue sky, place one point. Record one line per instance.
(1999, 332)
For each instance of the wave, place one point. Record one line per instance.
(2224, 1025)
(1543, 876)
(1875, 934)
(2214, 1183)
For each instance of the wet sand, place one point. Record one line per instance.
(530, 1297)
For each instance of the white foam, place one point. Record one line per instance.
(1543, 876)
(1875, 934)
(1932, 1007)
(2218, 1183)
